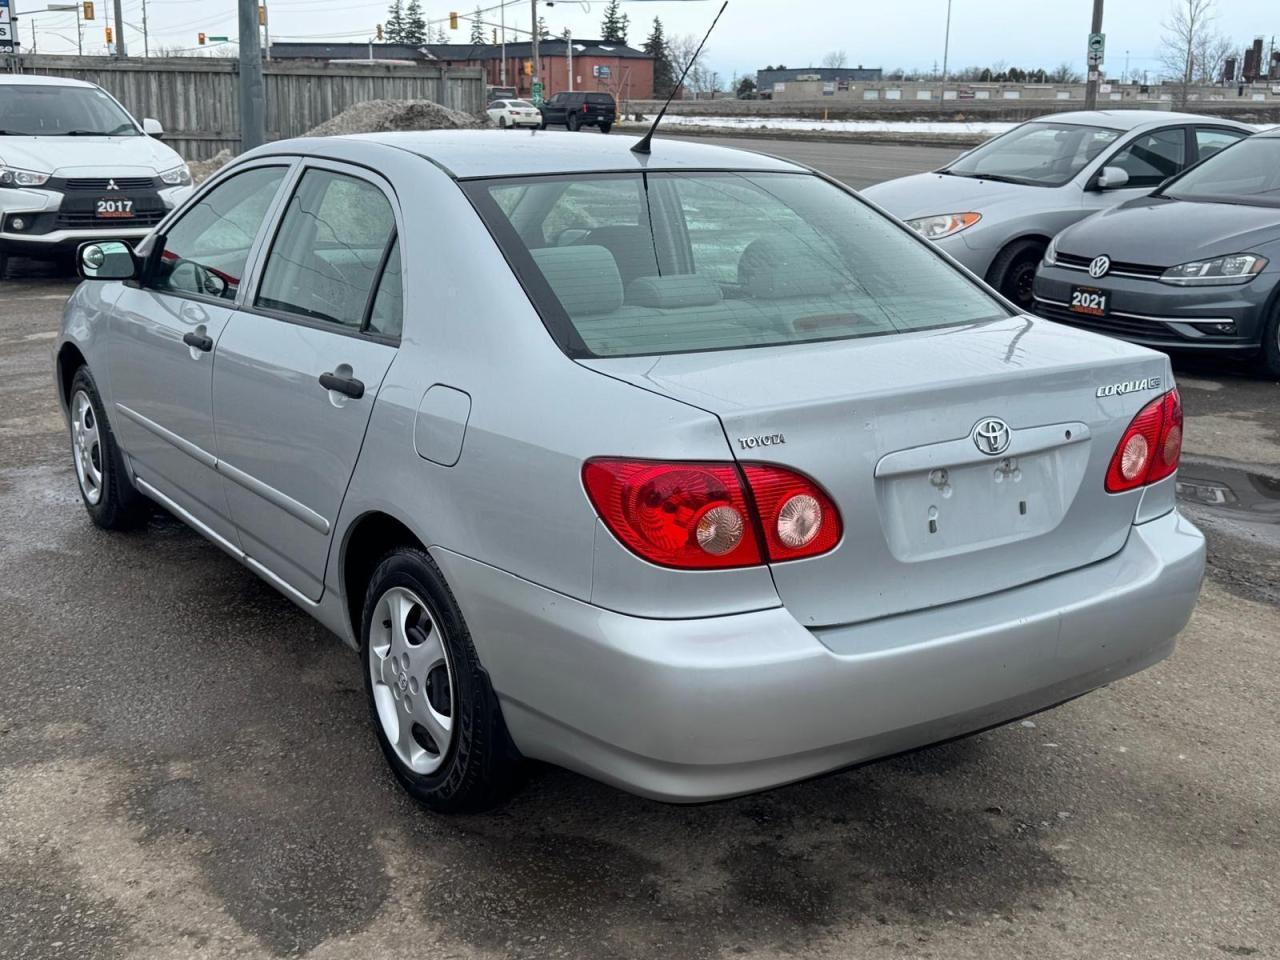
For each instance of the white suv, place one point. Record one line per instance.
(75, 166)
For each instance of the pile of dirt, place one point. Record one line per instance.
(202, 170)
(379, 116)
(369, 116)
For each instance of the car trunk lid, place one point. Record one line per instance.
(895, 428)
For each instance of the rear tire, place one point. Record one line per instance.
(542, 124)
(1269, 359)
(572, 123)
(502, 122)
(1013, 272)
(426, 685)
(606, 127)
(109, 496)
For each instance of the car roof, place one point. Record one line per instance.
(33, 79)
(1133, 119)
(469, 154)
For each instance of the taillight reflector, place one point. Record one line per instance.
(699, 515)
(1150, 448)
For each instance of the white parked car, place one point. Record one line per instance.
(514, 113)
(76, 166)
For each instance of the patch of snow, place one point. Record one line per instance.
(989, 128)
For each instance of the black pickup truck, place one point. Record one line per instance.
(579, 109)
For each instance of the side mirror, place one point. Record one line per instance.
(1112, 178)
(152, 128)
(107, 260)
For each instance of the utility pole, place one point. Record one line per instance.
(120, 48)
(266, 33)
(502, 19)
(568, 52)
(253, 121)
(946, 43)
(1091, 91)
(537, 74)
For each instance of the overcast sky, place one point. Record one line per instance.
(751, 34)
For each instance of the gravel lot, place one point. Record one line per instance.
(187, 770)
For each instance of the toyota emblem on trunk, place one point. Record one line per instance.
(1099, 267)
(992, 436)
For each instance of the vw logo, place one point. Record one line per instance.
(111, 185)
(992, 436)
(1099, 267)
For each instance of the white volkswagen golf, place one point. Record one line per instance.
(76, 166)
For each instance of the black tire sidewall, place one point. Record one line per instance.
(572, 123)
(1025, 254)
(1269, 359)
(120, 505)
(469, 778)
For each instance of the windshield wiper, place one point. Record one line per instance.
(122, 128)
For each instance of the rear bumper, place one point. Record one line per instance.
(691, 710)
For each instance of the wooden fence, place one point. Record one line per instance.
(197, 98)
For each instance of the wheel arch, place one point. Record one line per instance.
(366, 541)
(69, 360)
(1033, 236)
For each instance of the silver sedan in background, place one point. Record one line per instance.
(689, 470)
(996, 208)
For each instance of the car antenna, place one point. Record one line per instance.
(642, 145)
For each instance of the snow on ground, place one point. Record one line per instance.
(985, 128)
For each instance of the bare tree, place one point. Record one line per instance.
(681, 49)
(836, 58)
(1211, 52)
(1065, 73)
(1184, 32)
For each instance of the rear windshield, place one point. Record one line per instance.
(1247, 173)
(631, 264)
(1040, 154)
(599, 98)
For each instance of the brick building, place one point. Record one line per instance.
(615, 68)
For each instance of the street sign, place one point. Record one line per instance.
(1097, 48)
(6, 28)
(537, 93)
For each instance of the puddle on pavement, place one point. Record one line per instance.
(1232, 491)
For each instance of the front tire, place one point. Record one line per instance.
(1013, 272)
(572, 123)
(435, 713)
(109, 496)
(1269, 359)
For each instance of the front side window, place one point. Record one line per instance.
(675, 262)
(1248, 173)
(49, 110)
(205, 252)
(1153, 157)
(325, 259)
(1040, 154)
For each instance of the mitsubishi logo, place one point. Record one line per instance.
(992, 436)
(111, 185)
(1099, 267)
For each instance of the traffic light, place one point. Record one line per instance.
(88, 9)
(111, 36)
(200, 39)
(378, 33)
(262, 14)
(453, 20)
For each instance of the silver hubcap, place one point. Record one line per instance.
(86, 446)
(413, 688)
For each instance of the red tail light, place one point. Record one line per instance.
(1150, 448)
(699, 515)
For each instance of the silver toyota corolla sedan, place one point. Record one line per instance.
(996, 208)
(690, 471)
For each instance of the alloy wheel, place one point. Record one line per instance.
(413, 684)
(86, 447)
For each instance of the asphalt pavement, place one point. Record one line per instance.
(187, 767)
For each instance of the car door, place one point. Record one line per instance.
(164, 334)
(555, 108)
(300, 364)
(1149, 159)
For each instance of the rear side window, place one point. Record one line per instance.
(599, 98)
(675, 263)
(1209, 141)
(205, 252)
(1153, 157)
(328, 251)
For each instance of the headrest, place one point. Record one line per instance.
(673, 291)
(774, 269)
(584, 278)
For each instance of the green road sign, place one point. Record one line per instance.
(218, 39)
(537, 93)
(1097, 48)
